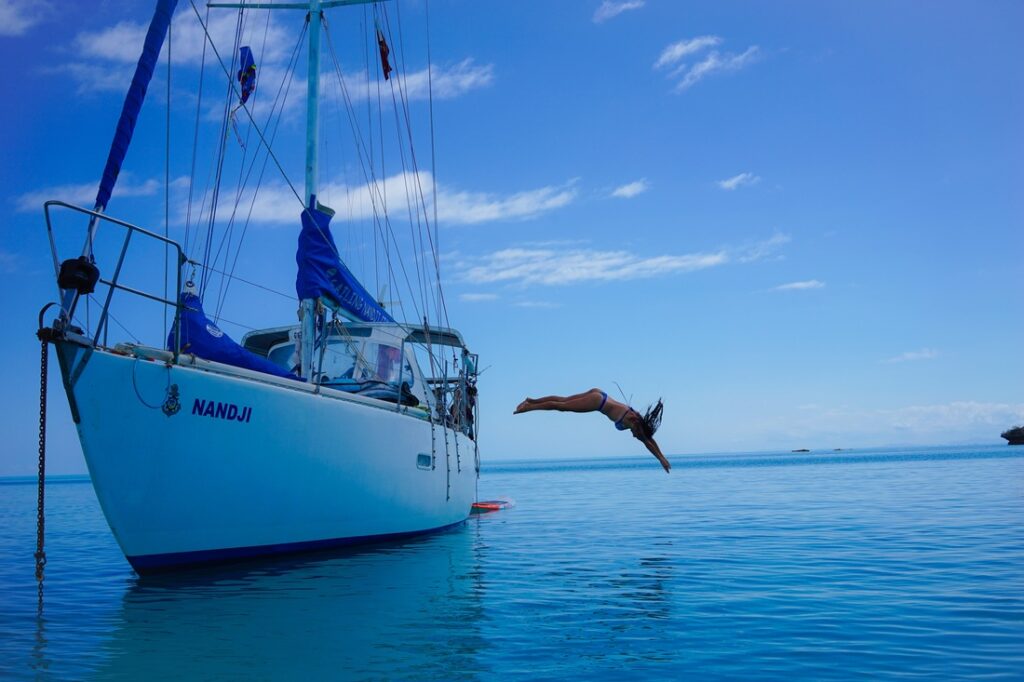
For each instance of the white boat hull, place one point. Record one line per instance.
(249, 467)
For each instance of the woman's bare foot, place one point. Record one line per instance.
(522, 407)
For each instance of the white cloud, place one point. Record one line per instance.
(276, 203)
(546, 305)
(632, 189)
(738, 181)
(448, 82)
(85, 194)
(18, 16)
(556, 266)
(8, 262)
(801, 286)
(106, 58)
(123, 41)
(909, 356)
(762, 249)
(687, 75)
(610, 8)
(677, 51)
(477, 298)
(461, 207)
(550, 267)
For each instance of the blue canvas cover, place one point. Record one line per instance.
(133, 100)
(322, 274)
(202, 338)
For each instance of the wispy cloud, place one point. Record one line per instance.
(687, 75)
(716, 63)
(448, 81)
(84, 194)
(540, 266)
(610, 8)
(123, 41)
(105, 59)
(18, 16)
(675, 52)
(910, 356)
(546, 305)
(8, 262)
(461, 207)
(276, 204)
(632, 189)
(762, 249)
(737, 181)
(801, 286)
(548, 267)
(477, 298)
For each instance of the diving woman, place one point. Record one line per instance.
(625, 417)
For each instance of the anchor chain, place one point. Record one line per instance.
(44, 336)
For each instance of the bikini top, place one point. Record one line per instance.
(618, 423)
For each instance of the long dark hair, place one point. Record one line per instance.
(651, 420)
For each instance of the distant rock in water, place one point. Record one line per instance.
(800, 450)
(1014, 436)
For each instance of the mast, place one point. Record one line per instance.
(307, 306)
(313, 102)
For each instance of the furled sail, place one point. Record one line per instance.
(202, 338)
(133, 100)
(322, 275)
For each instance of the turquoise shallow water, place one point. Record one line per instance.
(859, 564)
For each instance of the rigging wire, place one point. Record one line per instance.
(282, 96)
(399, 79)
(412, 151)
(226, 241)
(233, 277)
(405, 110)
(433, 166)
(371, 186)
(195, 137)
(221, 155)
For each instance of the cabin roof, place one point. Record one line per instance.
(260, 341)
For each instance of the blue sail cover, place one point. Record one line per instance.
(133, 101)
(321, 272)
(202, 338)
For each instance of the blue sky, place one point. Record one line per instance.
(798, 222)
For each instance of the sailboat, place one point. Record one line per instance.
(346, 428)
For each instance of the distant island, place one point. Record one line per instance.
(1014, 436)
(800, 450)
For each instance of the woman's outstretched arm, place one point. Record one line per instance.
(656, 451)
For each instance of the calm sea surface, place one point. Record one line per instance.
(858, 564)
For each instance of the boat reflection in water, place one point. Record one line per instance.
(397, 610)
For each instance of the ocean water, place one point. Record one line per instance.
(865, 564)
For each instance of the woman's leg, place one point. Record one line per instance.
(587, 401)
